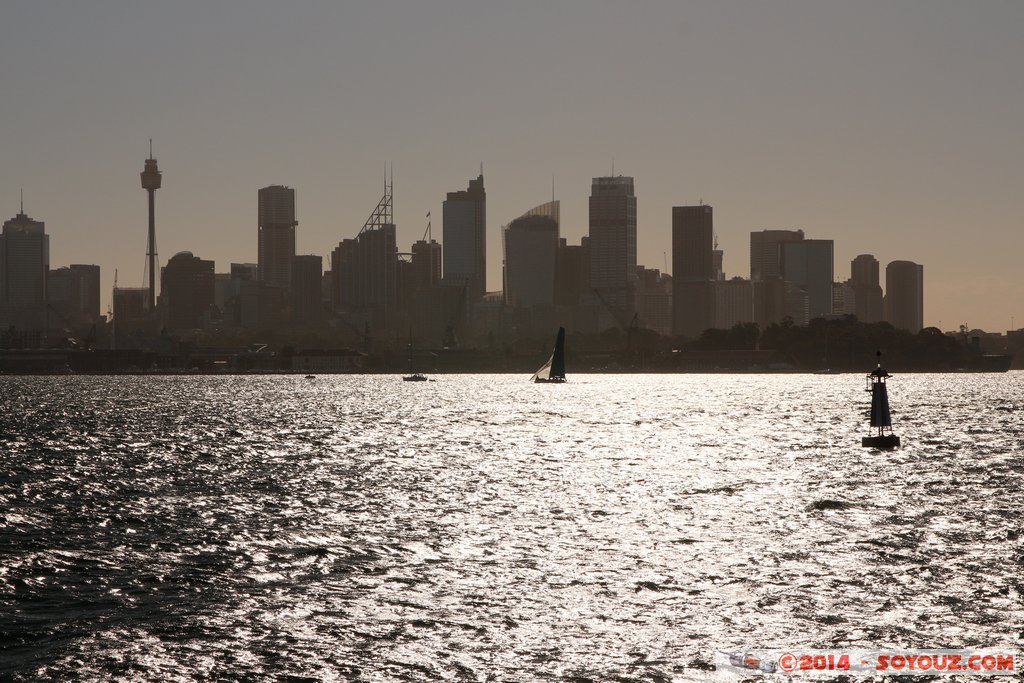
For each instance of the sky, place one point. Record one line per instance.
(892, 128)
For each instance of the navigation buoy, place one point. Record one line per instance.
(880, 418)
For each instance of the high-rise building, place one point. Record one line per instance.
(74, 293)
(866, 288)
(734, 302)
(365, 275)
(276, 234)
(693, 269)
(572, 272)
(531, 254)
(904, 295)
(809, 264)
(131, 315)
(655, 300)
(766, 254)
(306, 289)
(426, 264)
(769, 303)
(844, 298)
(151, 182)
(612, 240)
(24, 264)
(186, 291)
(464, 230)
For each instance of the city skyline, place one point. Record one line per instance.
(838, 121)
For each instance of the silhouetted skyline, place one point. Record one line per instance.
(835, 119)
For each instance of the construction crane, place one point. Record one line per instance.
(630, 329)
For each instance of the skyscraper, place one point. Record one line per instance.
(276, 234)
(693, 269)
(306, 289)
(613, 244)
(186, 291)
(464, 234)
(531, 251)
(866, 289)
(426, 264)
(24, 264)
(809, 264)
(765, 252)
(904, 295)
(74, 293)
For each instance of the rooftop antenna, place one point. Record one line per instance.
(613, 167)
(552, 187)
(664, 255)
(23, 200)
(481, 169)
(151, 148)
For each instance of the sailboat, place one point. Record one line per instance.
(554, 369)
(880, 418)
(413, 376)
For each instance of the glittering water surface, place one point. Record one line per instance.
(486, 528)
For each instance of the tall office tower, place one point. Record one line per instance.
(844, 298)
(186, 291)
(655, 300)
(531, 251)
(464, 233)
(151, 181)
(734, 302)
(904, 295)
(74, 293)
(866, 288)
(132, 314)
(769, 301)
(276, 234)
(809, 264)
(24, 264)
(244, 271)
(364, 269)
(364, 275)
(306, 289)
(693, 269)
(765, 252)
(426, 264)
(612, 239)
(572, 272)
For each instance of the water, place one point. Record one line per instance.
(484, 528)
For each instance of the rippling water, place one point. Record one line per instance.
(485, 528)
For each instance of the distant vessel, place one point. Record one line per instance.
(554, 369)
(413, 376)
(880, 418)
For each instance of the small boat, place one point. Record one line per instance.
(554, 370)
(310, 376)
(413, 376)
(880, 418)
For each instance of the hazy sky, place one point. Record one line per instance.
(891, 127)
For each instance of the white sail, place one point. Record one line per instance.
(544, 372)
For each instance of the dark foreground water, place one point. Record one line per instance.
(484, 528)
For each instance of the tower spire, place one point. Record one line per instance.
(22, 200)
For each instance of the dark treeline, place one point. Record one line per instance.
(844, 344)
